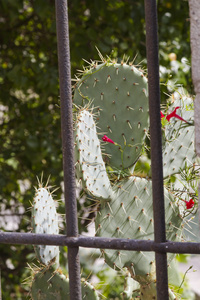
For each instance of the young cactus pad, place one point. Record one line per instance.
(119, 95)
(52, 284)
(130, 215)
(90, 167)
(45, 220)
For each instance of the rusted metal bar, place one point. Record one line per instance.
(68, 144)
(156, 145)
(98, 242)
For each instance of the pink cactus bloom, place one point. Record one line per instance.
(189, 204)
(106, 139)
(174, 114)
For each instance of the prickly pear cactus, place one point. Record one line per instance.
(45, 220)
(113, 98)
(119, 95)
(51, 284)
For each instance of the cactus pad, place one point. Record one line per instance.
(45, 220)
(118, 93)
(52, 284)
(130, 215)
(90, 166)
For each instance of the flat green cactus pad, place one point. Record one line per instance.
(45, 220)
(90, 167)
(52, 284)
(130, 215)
(119, 95)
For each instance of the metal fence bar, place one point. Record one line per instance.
(156, 145)
(68, 144)
(98, 242)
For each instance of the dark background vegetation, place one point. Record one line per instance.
(29, 96)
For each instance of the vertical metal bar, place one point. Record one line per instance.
(68, 144)
(156, 145)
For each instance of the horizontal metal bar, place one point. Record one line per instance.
(98, 242)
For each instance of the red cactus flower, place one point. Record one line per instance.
(106, 139)
(161, 115)
(189, 204)
(174, 114)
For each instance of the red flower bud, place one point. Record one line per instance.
(106, 139)
(174, 114)
(161, 115)
(189, 204)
